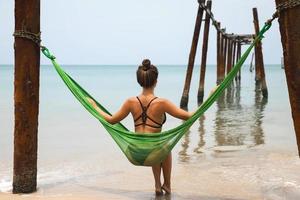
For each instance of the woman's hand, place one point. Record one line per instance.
(92, 102)
(213, 90)
(117, 117)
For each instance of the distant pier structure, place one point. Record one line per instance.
(228, 52)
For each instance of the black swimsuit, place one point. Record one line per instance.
(144, 116)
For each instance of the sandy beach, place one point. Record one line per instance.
(256, 174)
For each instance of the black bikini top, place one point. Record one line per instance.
(144, 116)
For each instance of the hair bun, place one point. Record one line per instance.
(146, 64)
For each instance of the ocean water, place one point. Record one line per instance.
(74, 146)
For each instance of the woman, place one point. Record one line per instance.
(149, 114)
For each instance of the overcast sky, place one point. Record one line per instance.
(126, 31)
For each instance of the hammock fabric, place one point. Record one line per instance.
(147, 149)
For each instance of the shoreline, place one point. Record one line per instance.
(258, 173)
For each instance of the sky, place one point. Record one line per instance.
(126, 31)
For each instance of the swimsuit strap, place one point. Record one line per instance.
(143, 107)
(144, 115)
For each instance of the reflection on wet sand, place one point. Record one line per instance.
(183, 155)
(201, 129)
(229, 121)
(260, 103)
(236, 125)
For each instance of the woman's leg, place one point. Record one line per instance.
(156, 169)
(167, 166)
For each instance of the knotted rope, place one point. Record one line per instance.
(34, 37)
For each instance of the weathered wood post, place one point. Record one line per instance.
(290, 39)
(219, 54)
(204, 54)
(26, 95)
(259, 60)
(189, 72)
(239, 54)
(234, 53)
(229, 90)
(229, 56)
(223, 69)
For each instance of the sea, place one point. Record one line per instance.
(240, 133)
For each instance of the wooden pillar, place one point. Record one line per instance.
(204, 55)
(256, 49)
(238, 56)
(26, 96)
(234, 53)
(219, 56)
(229, 56)
(189, 72)
(259, 61)
(290, 39)
(223, 68)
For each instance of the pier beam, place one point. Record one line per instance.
(234, 53)
(26, 97)
(290, 39)
(224, 57)
(219, 54)
(204, 54)
(189, 72)
(222, 68)
(238, 56)
(229, 56)
(259, 60)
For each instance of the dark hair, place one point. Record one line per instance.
(146, 74)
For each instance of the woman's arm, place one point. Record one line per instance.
(178, 112)
(115, 118)
(173, 110)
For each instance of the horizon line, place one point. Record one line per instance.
(135, 64)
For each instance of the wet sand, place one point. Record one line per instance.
(224, 174)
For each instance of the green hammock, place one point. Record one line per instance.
(147, 149)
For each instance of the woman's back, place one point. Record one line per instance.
(148, 113)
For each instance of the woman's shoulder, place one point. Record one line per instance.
(161, 100)
(158, 100)
(131, 99)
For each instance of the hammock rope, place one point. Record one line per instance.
(147, 149)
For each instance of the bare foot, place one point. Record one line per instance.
(158, 192)
(166, 189)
